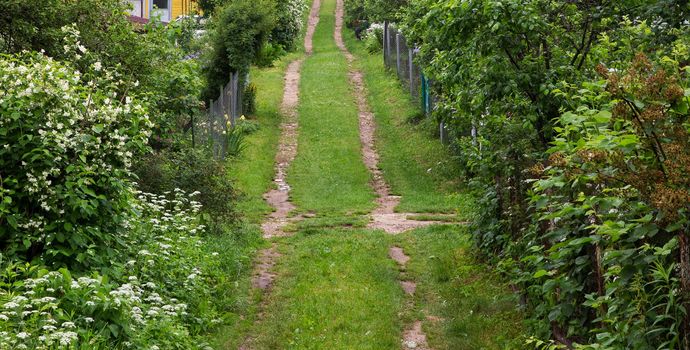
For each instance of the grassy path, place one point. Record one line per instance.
(328, 177)
(336, 281)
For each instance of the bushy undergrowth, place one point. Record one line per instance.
(160, 293)
(192, 170)
(86, 260)
(569, 120)
(289, 23)
(69, 141)
(373, 39)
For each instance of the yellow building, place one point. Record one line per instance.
(166, 10)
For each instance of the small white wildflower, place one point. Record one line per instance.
(23, 335)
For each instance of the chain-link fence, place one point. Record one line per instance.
(400, 56)
(222, 117)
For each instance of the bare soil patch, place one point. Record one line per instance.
(397, 254)
(414, 337)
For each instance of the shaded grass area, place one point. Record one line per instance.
(232, 292)
(476, 308)
(328, 176)
(414, 163)
(337, 290)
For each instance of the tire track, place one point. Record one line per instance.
(384, 216)
(279, 197)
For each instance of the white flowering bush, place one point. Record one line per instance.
(67, 141)
(373, 38)
(161, 296)
(289, 22)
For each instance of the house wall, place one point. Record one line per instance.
(182, 8)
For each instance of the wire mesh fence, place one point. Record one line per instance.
(399, 55)
(221, 118)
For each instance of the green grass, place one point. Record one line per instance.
(414, 163)
(477, 308)
(328, 176)
(337, 290)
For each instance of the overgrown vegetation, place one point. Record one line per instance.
(116, 232)
(580, 116)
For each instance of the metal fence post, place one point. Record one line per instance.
(443, 133)
(412, 82)
(385, 46)
(397, 51)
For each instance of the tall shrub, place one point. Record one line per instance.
(68, 142)
(240, 29)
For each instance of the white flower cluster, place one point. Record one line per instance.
(375, 30)
(35, 318)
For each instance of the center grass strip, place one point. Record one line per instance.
(337, 290)
(328, 176)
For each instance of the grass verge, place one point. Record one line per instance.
(473, 307)
(337, 290)
(414, 163)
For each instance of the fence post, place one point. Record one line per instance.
(385, 43)
(412, 83)
(223, 137)
(232, 95)
(388, 47)
(442, 131)
(210, 123)
(397, 51)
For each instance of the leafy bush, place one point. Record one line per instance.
(614, 202)
(192, 170)
(239, 31)
(156, 295)
(268, 54)
(249, 99)
(581, 209)
(148, 62)
(289, 22)
(373, 39)
(68, 143)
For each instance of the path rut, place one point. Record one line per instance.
(279, 197)
(384, 216)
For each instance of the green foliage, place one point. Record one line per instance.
(239, 31)
(289, 22)
(156, 295)
(194, 171)
(611, 206)
(249, 99)
(373, 38)
(69, 140)
(148, 62)
(579, 201)
(268, 54)
(373, 10)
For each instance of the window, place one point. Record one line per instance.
(161, 4)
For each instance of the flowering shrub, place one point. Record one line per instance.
(67, 143)
(373, 38)
(289, 22)
(158, 297)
